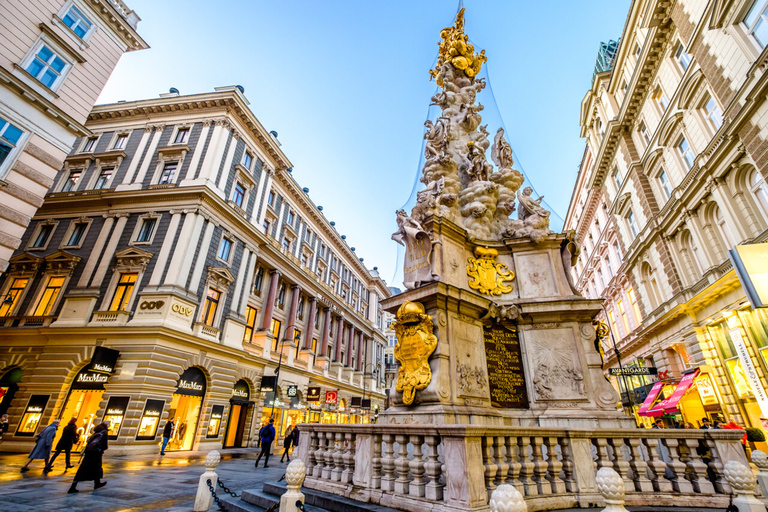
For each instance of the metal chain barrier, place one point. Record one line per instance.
(300, 506)
(273, 508)
(216, 499)
(226, 490)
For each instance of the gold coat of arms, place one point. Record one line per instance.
(415, 343)
(486, 275)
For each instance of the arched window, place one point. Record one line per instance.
(690, 256)
(722, 227)
(651, 285)
(758, 187)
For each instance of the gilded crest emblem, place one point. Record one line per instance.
(415, 343)
(486, 275)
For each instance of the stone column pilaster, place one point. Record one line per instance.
(309, 328)
(269, 304)
(338, 340)
(291, 320)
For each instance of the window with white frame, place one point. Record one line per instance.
(660, 98)
(70, 183)
(643, 130)
(168, 173)
(286, 244)
(12, 295)
(756, 22)
(682, 57)
(291, 218)
(90, 144)
(76, 233)
(258, 280)
(225, 249)
(271, 198)
(624, 86)
(47, 66)
(122, 296)
(725, 231)
(182, 134)
(10, 135)
(50, 293)
(247, 159)
(120, 141)
(712, 112)
(617, 252)
(666, 186)
(105, 176)
(238, 194)
(210, 307)
(78, 22)
(633, 224)
(266, 225)
(617, 178)
(42, 236)
(686, 153)
(758, 187)
(146, 230)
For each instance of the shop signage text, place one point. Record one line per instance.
(216, 415)
(34, 408)
(313, 394)
(91, 377)
(152, 304)
(182, 310)
(152, 413)
(331, 397)
(706, 390)
(293, 391)
(749, 369)
(632, 370)
(240, 393)
(183, 384)
(104, 360)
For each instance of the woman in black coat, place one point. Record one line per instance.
(68, 438)
(90, 468)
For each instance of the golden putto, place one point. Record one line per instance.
(456, 49)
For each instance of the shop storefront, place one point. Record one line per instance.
(9, 385)
(688, 400)
(33, 413)
(186, 404)
(240, 413)
(150, 420)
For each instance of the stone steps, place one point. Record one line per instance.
(327, 501)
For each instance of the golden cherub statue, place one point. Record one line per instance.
(456, 49)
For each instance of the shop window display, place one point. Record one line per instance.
(82, 403)
(185, 409)
(150, 420)
(30, 420)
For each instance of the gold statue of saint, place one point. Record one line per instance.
(488, 276)
(415, 343)
(456, 49)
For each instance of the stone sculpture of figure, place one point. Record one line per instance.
(501, 151)
(478, 170)
(530, 206)
(569, 252)
(406, 226)
(436, 136)
(429, 200)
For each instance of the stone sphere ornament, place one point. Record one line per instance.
(505, 498)
(611, 487)
(212, 460)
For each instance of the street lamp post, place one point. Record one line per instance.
(618, 359)
(377, 367)
(281, 343)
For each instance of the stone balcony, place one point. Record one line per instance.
(110, 318)
(26, 321)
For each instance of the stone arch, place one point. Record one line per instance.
(691, 89)
(692, 266)
(651, 284)
(751, 193)
(714, 229)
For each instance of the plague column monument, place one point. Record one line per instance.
(490, 330)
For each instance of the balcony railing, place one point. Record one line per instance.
(26, 321)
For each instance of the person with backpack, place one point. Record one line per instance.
(69, 437)
(43, 445)
(91, 468)
(267, 436)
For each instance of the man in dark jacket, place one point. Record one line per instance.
(267, 436)
(69, 437)
(167, 433)
(91, 468)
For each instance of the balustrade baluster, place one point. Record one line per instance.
(526, 468)
(539, 466)
(433, 469)
(401, 465)
(388, 463)
(639, 466)
(500, 454)
(698, 469)
(679, 483)
(620, 465)
(568, 466)
(553, 466)
(376, 462)
(326, 455)
(338, 457)
(601, 453)
(418, 483)
(513, 461)
(489, 464)
(657, 466)
(348, 458)
(311, 460)
(716, 466)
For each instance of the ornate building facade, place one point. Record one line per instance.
(673, 176)
(56, 58)
(174, 263)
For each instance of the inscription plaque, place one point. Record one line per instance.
(506, 376)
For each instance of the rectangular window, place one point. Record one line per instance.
(661, 99)
(210, 307)
(147, 228)
(271, 198)
(617, 251)
(635, 307)
(633, 224)
(42, 236)
(225, 249)
(291, 218)
(307, 235)
(123, 291)
(247, 160)
(275, 328)
(756, 22)
(665, 185)
(90, 144)
(618, 178)
(258, 280)
(314, 345)
(250, 323)
(286, 245)
(686, 152)
(169, 171)
(644, 133)
(266, 226)
(48, 298)
(12, 296)
(9, 137)
(120, 141)
(77, 21)
(72, 179)
(47, 67)
(181, 136)
(713, 113)
(238, 194)
(104, 177)
(281, 295)
(612, 319)
(624, 321)
(682, 57)
(76, 237)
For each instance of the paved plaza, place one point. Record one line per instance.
(142, 482)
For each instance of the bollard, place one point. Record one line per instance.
(294, 477)
(611, 487)
(761, 461)
(743, 482)
(204, 499)
(505, 498)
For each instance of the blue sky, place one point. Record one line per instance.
(345, 85)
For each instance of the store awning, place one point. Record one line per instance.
(648, 402)
(670, 404)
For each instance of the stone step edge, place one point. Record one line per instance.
(326, 500)
(263, 500)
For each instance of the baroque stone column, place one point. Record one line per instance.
(309, 328)
(269, 304)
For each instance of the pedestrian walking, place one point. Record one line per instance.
(43, 445)
(296, 436)
(261, 430)
(267, 436)
(91, 468)
(69, 437)
(287, 443)
(167, 433)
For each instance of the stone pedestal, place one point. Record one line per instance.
(558, 368)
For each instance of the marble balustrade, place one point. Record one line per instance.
(457, 467)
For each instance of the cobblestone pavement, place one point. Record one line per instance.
(135, 483)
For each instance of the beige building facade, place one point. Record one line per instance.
(174, 264)
(673, 176)
(55, 58)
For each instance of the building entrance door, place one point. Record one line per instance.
(238, 416)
